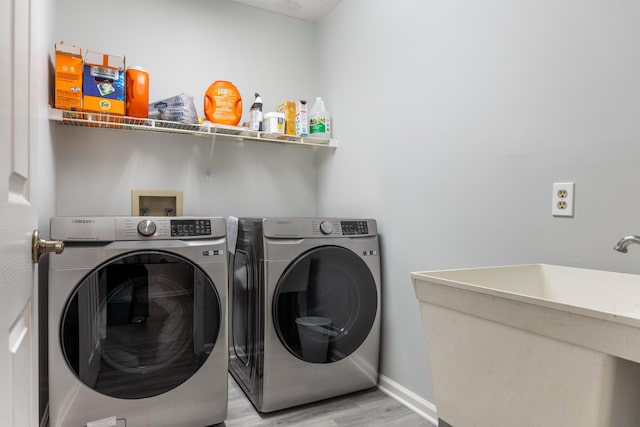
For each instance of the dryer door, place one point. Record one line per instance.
(140, 325)
(325, 304)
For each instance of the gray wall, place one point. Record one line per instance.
(185, 46)
(455, 118)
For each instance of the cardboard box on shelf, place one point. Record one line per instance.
(289, 110)
(103, 84)
(68, 77)
(302, 118)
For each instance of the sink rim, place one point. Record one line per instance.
(436, 277)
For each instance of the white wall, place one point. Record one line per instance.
(455, 118)
(185, 46)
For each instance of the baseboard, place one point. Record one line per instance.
(417, 404)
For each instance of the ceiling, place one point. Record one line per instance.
(309, 10)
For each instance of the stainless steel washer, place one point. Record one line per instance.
(304, 308)
(137, 322)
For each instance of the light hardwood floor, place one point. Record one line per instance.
(368, 408)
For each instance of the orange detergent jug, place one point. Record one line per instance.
(137, 89)
(222, 103)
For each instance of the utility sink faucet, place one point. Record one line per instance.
(623, 243)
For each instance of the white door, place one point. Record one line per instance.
(18, 219)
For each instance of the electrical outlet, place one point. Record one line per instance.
(562, 199)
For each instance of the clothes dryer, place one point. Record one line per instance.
(137, 322)
(304, 308)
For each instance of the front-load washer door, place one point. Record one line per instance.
(325, 304)
(140, 325)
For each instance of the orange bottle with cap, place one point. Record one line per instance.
(223, 103)
(137, 89)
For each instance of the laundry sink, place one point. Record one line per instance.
(532, 345)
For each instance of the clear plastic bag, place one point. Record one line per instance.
(179, 108)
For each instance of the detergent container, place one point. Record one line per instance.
(223, 103)
(273, 122)
(255, 114)
(137, 90)
(319, 120)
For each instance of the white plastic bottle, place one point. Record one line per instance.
(255, 114)
(319, 120)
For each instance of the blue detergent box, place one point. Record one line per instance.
(103, 83)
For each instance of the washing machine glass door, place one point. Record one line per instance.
(325, 304)
(140, 325)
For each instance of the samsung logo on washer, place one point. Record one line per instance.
(83, 221)
(210, 253)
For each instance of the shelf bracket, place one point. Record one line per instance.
(209, 168)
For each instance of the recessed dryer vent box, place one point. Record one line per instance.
(156, 203)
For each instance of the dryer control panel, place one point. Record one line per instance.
(318, 227)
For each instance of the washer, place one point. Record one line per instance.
(137, 322)
(304, 297)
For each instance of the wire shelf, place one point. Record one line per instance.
(211, 130)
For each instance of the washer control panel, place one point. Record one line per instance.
(146, 227)
(123, 228)
(190, 227)
(326, 227)
(351, 228)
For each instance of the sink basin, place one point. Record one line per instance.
(532, 345)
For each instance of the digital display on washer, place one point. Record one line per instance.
(190, 227)
(354, 227)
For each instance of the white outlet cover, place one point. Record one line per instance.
(559, 201)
